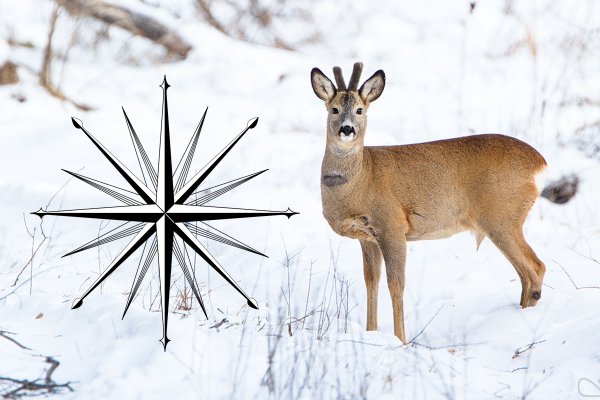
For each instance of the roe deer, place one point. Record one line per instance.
(385, 196)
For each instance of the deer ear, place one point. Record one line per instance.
(322, 86)
(372, 88)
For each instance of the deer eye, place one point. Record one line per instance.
(359, 111)
(335, 110)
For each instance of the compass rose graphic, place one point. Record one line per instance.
(163, 212)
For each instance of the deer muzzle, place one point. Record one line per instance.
(347, 132)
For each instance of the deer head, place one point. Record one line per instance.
(347, 106)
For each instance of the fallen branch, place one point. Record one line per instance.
(135, 23)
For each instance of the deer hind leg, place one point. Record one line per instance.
(372, 269)
(528, 266)
(393, 248)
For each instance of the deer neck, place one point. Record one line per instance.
(341, 166)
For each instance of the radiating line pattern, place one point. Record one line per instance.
(164, 213)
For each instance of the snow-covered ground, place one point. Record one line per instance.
(525, 68)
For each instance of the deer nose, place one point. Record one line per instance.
(346, 130)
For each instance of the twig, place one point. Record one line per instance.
(583, 255)
(360, 341)
(424, 327)
(307, 294)
(525, 348)
(218, 324)
(260, 16)
(303, 319)
(268, 378)
(32, 235)
(33, 254)
(35, 387)
(289, 297)
(448, 346)
(580, 102)
(573, 282)
(27, 281)
(518, 369)
(4, 335)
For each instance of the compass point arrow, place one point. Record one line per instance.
(165, 85)
(77, 303)
(165, 341)
(76, 122)
(163, 213)
(289, 213)
(252, 303)
(252, 123)
(40, 213)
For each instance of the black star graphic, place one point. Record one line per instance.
(164, 212)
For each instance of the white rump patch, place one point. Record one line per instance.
(540, 180)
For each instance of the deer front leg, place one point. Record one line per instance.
(372, 269)
(393, 248)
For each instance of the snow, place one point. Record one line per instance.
(449, 73)
(4, 51)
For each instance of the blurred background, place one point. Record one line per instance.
(529, 69)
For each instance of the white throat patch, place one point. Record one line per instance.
(348, 138)
(338, 151)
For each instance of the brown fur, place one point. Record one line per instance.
(395, 194)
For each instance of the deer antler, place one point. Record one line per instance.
(339, 78)
(358, 66)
